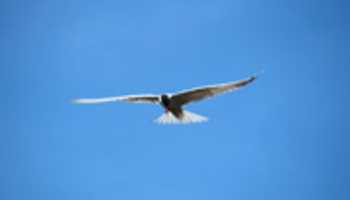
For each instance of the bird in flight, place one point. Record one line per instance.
(173, 103)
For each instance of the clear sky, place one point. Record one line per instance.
(286, 136)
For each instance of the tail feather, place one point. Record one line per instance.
(188, 117)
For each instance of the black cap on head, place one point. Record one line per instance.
(165, 99)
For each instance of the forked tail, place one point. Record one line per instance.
(188, 117)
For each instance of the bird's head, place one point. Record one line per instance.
(165, 99)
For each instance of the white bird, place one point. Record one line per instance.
(173, 103)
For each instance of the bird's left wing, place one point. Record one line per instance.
(148, 98)
(200, 93)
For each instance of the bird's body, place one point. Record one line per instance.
(171, 106)
(173, 103)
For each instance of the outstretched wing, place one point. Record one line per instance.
(149, 98)
(200, 93)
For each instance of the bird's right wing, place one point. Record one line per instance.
(200, 93)
(148, 98)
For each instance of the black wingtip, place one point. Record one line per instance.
(256, 75)
(250, 80)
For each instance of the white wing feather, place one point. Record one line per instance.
(148, 98)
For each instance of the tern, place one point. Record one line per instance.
(173, 103)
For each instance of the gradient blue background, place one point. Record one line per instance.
(284, 137)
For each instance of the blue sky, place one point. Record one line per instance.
(283, 137)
